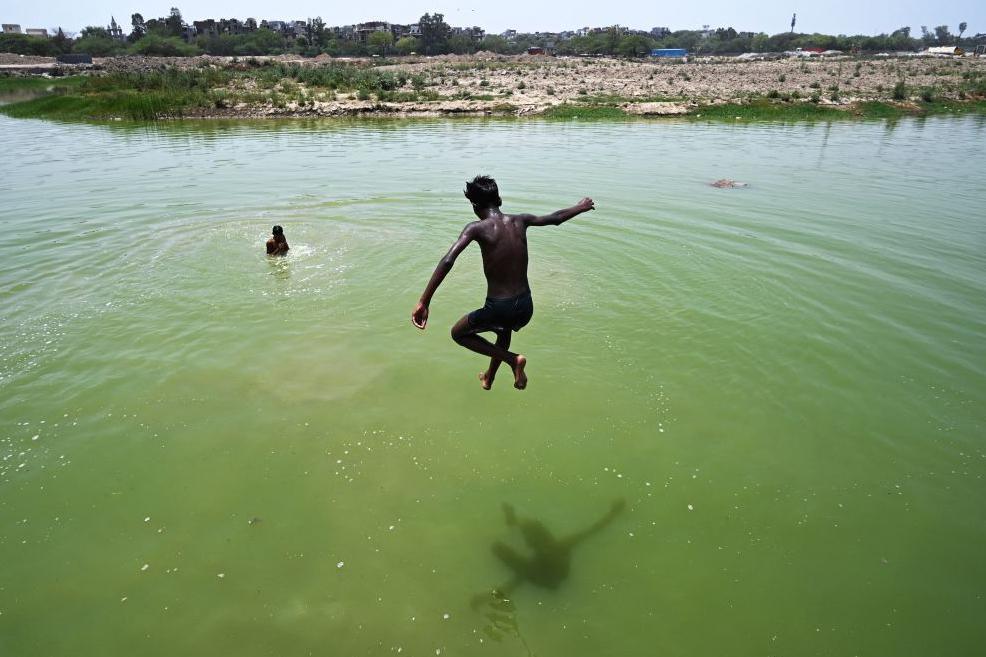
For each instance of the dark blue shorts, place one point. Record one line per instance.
(503, 314)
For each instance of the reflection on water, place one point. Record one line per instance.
(280, 268)
(19, 95)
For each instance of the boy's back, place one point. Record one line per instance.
(503, 242)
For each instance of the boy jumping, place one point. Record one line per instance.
(502, 239)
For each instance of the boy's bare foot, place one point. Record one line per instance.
(485, 380)
(520, 379)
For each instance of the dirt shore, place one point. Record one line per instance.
(487, 83)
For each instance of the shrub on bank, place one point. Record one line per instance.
(900, 91)
(22, 44)
(154, 45)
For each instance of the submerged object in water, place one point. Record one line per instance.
(726, 183)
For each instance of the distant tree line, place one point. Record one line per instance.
(167, 36)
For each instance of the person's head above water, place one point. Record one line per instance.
(277, 244)
(483, 193)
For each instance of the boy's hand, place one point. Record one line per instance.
(586, 204)
(419, 317)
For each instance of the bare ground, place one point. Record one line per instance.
(487, 83)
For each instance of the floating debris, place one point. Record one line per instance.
(340, 564)
(727, 183)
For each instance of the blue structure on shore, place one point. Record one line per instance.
(668, 52)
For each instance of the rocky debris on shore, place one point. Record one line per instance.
(656, 109)
(12, 59)
(341, 108)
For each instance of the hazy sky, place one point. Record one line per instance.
(771, 16)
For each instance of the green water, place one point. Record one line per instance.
(207, 452)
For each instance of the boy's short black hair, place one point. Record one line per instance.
(482, 191)
(277, 230)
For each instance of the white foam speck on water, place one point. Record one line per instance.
(340, 564)
(221, 575)
(691, 508)
(144, 567)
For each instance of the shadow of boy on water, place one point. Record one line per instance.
(547, 566)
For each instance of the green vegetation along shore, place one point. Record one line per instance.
(137, 89)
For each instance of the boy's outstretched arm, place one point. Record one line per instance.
(561, 216)
(419, 316)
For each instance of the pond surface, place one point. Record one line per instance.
(754, 423)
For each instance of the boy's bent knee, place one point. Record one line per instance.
(460, 330)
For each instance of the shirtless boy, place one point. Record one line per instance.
(502, 239)
(277, 244)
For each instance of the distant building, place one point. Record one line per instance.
(115, 31)
(75, 58)
(207, 28)
(11, 28)
(400, 31)
(231, 26)
(344, 32)
(363, 30)
(509, 35)
(660, 32)
(475, 33)
(37, 32)
(945, 50)
(668, 52)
